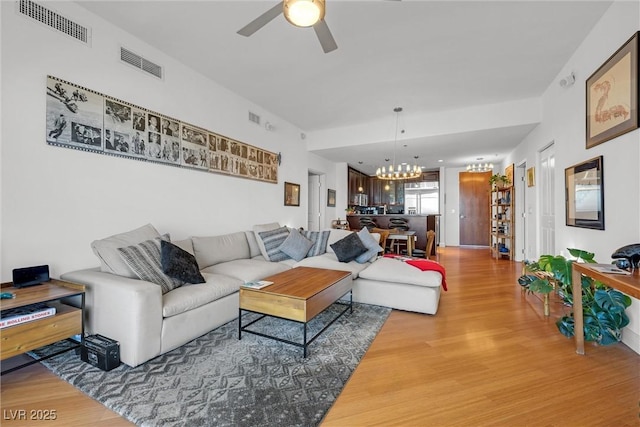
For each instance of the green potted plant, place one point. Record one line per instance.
(499, 180)
(603, 308)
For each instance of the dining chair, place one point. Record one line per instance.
(431, 237)
(384, 234)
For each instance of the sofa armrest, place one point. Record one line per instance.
(126, 310)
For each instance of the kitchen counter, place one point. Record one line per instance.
(418, 223)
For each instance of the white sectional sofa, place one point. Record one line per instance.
(148, 322)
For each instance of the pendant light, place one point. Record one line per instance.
(397, 171)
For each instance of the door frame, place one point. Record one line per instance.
(521, 219)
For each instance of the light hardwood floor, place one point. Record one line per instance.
(488, 357)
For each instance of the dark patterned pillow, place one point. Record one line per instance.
(144, 260)
(296, 245)
(349, 248)
(179, 264)
(319, 239)
(272, 240)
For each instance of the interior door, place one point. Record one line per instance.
(547, 206)
(314, 203)
(474, 208)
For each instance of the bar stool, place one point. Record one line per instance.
(367, 222)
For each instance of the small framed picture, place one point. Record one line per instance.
(584, 189)
(331, 198)
(291, 194)
(531, 177)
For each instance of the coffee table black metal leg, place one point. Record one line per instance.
(304, 351)
(351, 301)
(240, 324)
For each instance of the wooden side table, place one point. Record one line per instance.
(66, 323)
(628, 284)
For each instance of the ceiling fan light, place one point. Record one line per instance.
(303, 13)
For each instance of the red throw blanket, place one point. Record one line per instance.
(424, 265)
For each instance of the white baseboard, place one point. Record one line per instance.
(631, 339)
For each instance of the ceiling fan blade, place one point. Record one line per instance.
(324, 35)
(261, 20)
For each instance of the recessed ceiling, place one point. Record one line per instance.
(426, 56)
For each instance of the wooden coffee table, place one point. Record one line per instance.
(299, 295)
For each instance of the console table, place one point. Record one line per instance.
(628, 284)
(66, 323)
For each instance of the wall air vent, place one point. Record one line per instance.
(253, 117)
(54, 20)
(141, 63)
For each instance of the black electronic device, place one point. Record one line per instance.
(29, 276)
(101, 352)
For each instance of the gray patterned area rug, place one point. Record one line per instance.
(218, 380)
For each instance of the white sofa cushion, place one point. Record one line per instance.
(186, 245)
(189, 296)
(254, 247)
(110, 259)
(216, 249)
(330, 261)
(396, 271)
(247, 270)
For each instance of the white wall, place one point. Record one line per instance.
(55, 201)
(564, 123)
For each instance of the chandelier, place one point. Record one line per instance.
(398, 171)
(480, 167)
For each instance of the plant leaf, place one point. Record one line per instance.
(581, 254)
(566, 326)
(542, 286)
(609, 299)
(526, 279)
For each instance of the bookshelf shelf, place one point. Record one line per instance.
(502, 242)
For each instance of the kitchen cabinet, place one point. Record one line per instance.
(357, 179)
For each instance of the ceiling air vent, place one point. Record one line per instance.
(141, 63)
(253, 117)
(54, 20)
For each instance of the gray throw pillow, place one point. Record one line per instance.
(348, 248)
(372, 245)
(319, 239)
(179, 264)
(296, 245)
(144, 260)
(272, 240)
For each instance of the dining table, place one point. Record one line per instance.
(408, 235)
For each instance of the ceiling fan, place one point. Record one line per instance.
(301, 13)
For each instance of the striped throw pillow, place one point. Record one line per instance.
(319, 239)
(272, 240)
(144, 259)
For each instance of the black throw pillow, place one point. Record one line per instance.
(179, 264)
(349, 248)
